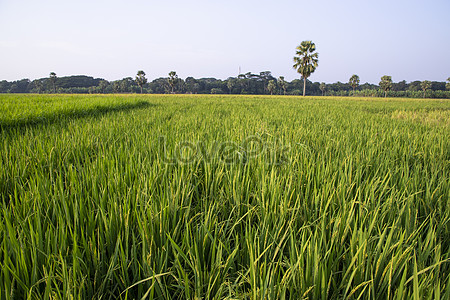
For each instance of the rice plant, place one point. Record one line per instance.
(224, 197)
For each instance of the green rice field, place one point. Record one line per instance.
(224, 197)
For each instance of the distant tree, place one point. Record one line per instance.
(414, 86)
(322, 87)
(354, 82)
(282, 83)
(189, 84)
(243, 83)
(447, 86)
(116, 86)
(386, 84)
(125, 84)
(103, 85)
(20, 86)
(400, 86)
(140, 79)
(437, 86)
(271, 86)
(53, 80)
(180, 86)
(306, 60)
(4, 86)
(265, 77)
(195, 88)
(40, 86)
(425, 85)
(172, 80)
(231, 82)
(37, 86)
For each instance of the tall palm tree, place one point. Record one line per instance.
(271, 86)
(173, 79)
(306, 60)
(140, 79)
(282, 83)
(425, 85)
(354, 82)
(386, 84)
(322, 87)
(53, 80)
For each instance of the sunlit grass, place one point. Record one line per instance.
(357, 206)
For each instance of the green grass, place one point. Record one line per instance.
(349, 199)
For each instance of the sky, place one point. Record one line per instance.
(408, 40)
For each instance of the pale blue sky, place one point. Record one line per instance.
(113, 39)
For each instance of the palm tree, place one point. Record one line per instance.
(53, 80)
(322, 87)
(140, 79)
(271, 86)
(386, 84)
(173, 79)
(447, 86)
(354, 82)
(425, 85)
(306, 60)
(282, 83)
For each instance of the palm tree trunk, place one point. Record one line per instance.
(304, 86)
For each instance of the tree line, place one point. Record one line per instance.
(263, 83)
